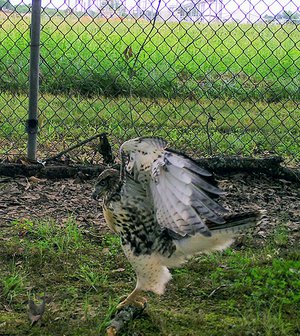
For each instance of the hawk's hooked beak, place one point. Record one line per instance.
(124, 162)
(124, 158)
(95, 195)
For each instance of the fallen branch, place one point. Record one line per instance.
(103, 148)
(122, 317)
(219, 165)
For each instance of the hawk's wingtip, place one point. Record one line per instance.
(152, 141)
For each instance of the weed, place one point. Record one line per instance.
(13, 285)
(112, 305)
(268, 323)
(281, 236)
(91, 278)
(46, 236)
(112, 243)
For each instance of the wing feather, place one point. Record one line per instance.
(199, 194)
(163, 212)
(196, 200)
(190, 178)
(176, 186)
(181, 161)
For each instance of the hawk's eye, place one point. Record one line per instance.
(102, 183)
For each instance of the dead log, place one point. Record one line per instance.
(270, 166)
(51, 171)
(232, 164)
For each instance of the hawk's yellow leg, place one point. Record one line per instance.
(135, 298)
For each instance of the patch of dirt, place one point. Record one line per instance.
(32, 198)
(280, 199)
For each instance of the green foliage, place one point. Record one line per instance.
(280, 281)
(240, 61)
(46, 236)
(90, 277)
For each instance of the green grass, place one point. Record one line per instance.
(85, 56)
(244, 128)
(12, 285)
(206, 88)
(253, 291)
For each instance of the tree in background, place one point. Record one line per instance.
(289, 16)
(5, 4)
(112, 7)
(284, 17)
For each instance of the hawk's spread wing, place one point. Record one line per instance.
(174, 184)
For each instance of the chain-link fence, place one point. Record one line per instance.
(210, 76)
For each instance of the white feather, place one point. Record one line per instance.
(173, 206)
(185, 218)
(197, 244)
(154, 281)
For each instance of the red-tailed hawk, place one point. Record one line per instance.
(163, 206)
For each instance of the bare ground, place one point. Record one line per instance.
(31, 198)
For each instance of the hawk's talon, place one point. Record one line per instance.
(138, 302)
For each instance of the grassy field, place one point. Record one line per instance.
(244, 128)
(207, 88)
(250, 292)
(82, 56)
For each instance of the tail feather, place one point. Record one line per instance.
(237, 222)
(221, 238)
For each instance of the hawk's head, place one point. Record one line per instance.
(106, 182)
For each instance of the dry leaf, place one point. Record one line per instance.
(24, 162)
(34, 179)
(128, 53)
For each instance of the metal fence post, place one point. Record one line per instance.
(32, 122)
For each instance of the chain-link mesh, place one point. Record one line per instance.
(209, 76)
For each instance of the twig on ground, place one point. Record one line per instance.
(122, 317)
(220, 164)
(79, 144)
(235, 164)
(215, 290)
